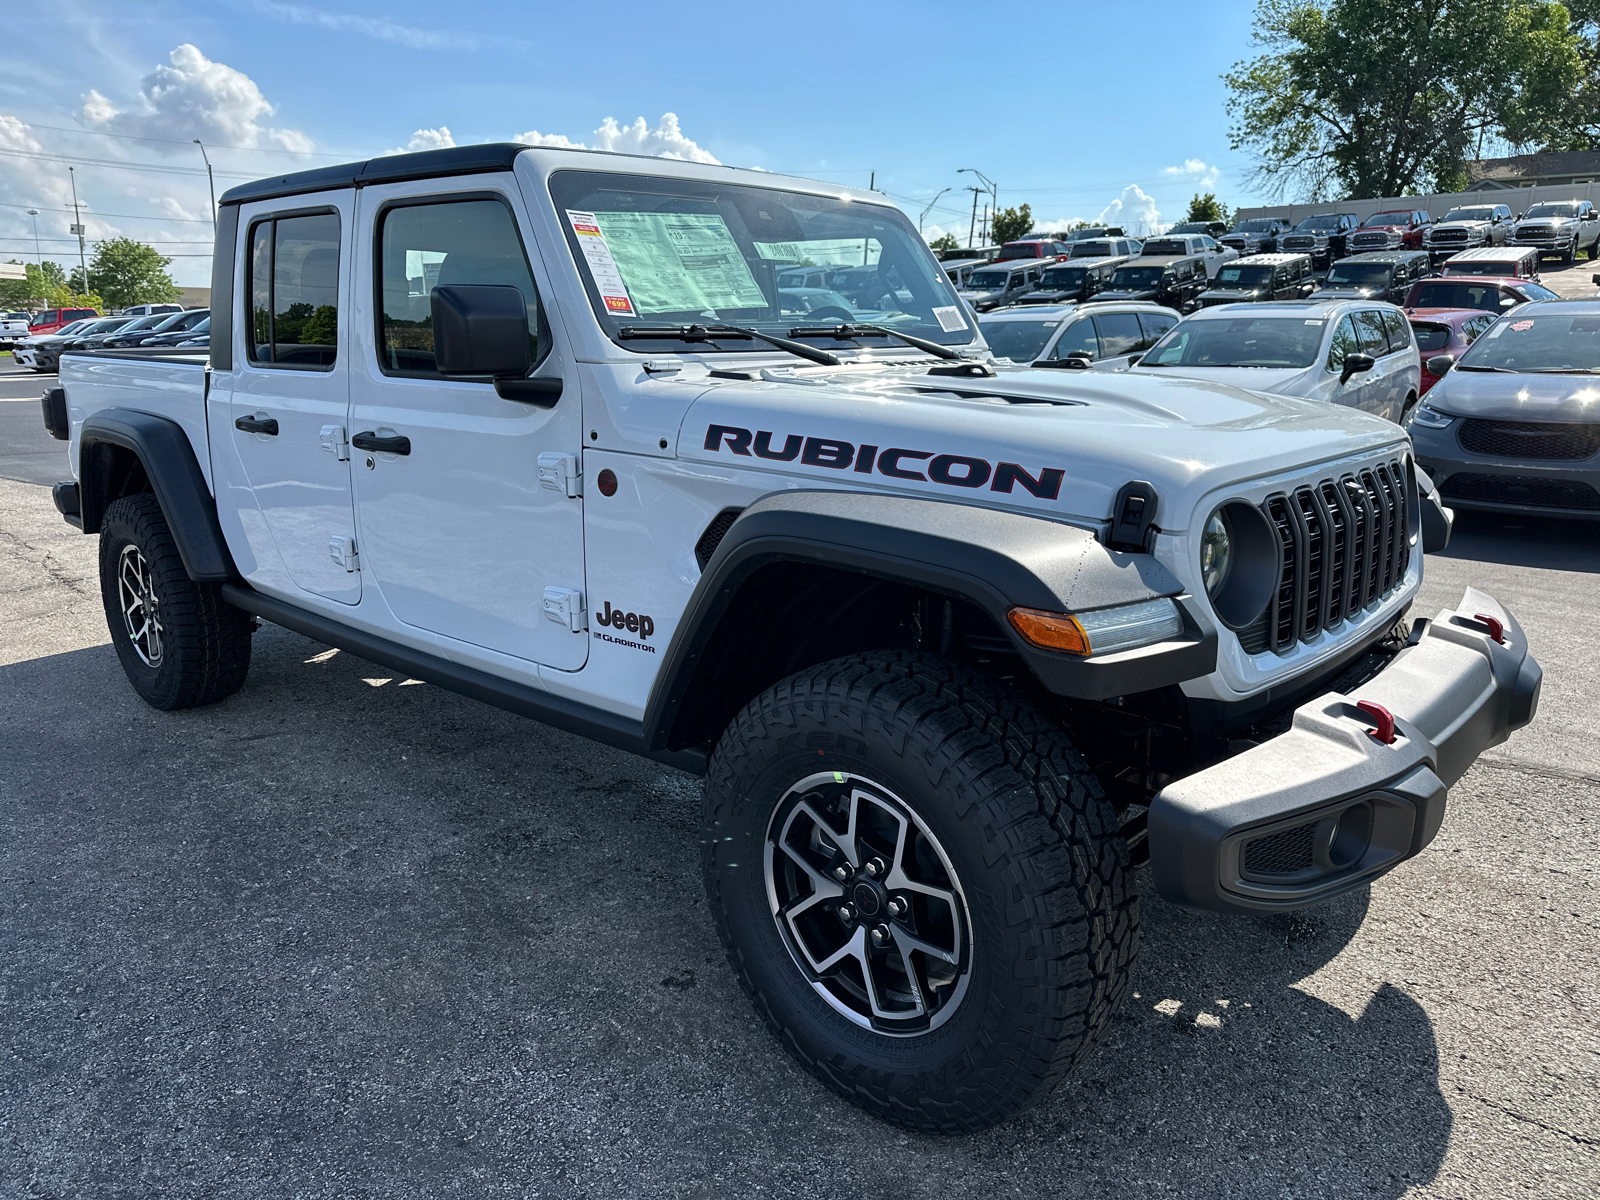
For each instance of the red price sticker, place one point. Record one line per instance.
(1521, 326)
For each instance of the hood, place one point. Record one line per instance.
(1141, 294)
(1474, 226)
(1547, 221)
(1058, 443)
(1251, 379)
(1349, 293)
(1518, 397)
(1230, 295)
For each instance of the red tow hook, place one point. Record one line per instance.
(1382, 718)
(1497, 630)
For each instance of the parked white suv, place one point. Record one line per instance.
(1359, 354)
(13, 327)
(954, 648)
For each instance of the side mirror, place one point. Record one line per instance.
(480, 331)
(1440, 364)
(1355, 364)
(1077, 360)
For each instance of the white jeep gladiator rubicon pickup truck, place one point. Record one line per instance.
(956, 650)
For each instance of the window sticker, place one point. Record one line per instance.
(1318, 321)
(678, 262)
(1496, 331)
(949, 318)
(1521, 326)
(597, 253)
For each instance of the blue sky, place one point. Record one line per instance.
(1079, 110)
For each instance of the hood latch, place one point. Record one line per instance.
(1132, 514)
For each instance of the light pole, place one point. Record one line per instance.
(212, 182)
(37, 253)
(77, 228)
(928, 210)
(994, 192)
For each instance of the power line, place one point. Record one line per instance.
(184, 142)
(125, 166)
(118, 216)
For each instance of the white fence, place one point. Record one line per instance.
(1520, 199)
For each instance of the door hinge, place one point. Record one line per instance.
(561, 473)
(564, 606)
(343, 551)
(335, 442)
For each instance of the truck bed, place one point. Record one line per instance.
(169, 384)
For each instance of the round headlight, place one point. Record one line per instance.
(1239, 562)
(1216, 553)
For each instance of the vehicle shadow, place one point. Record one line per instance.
(1515, 540)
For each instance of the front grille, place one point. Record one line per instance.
(1285, 853)
(1535, 231)
(1299, 243)
(1343, 546)
(1529, 439)
(1370, 239)
(1447, 236)
(1520, 490)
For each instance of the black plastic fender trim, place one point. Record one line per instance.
(175, 477)
(544, 707)
(994, 559)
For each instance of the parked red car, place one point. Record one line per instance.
(1400, 229)
(52, 319)
(1473, 291)
(1446, 331)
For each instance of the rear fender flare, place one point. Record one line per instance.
(162, 448)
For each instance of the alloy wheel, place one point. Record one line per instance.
(140, 608)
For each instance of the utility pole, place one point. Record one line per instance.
(77, 229)
(212, 181)
(928, 210)
(994, 192)
(972, 228)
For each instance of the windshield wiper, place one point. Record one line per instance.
(1564, 371)
(1476, 367)
(714, 333)
(848, 331)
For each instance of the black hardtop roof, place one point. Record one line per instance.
(1385, 256)
(392, 168)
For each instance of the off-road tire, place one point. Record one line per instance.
(1054, 915)
(204, 641)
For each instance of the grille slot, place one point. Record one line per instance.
(1283, 853)
(1343, 546)
(713, 535)
(1529, 439)
(1520, 489)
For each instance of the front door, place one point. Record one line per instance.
(289, 397)
(458, 525)
(1363, 389)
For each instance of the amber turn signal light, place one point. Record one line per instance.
(1050, 630)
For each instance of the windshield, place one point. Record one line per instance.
(1022, 250)
(1133, 279)
(1240, 342)
(1093, 250)
(1259, 225)
(1387, 218)
(1541, 342)
(988, 281)
(1461, 295)
(1020, 341)
(1481, 267)
(1568, 209)
(1065, 277)
(1323, 221)
(657, 252)
(1165, 246)
(1470, 214)
(1244, 277)
(1359, 275)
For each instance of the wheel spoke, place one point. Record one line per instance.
(905, 943)
(908, 942)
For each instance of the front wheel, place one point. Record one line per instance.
(920, 885)
(180, 644)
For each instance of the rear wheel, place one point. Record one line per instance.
(920, 885)
(180, 644)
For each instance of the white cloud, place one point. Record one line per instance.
(426, 139)
(192, 97)
(380, 28)
(1133, 210)
(666, 140)
(1203, 173)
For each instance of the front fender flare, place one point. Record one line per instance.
(993, 559)
(163, 449)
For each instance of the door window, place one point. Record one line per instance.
(294, 290)
(1119, 333)
(1344, 342)
(1398, 329)
(425, 246)
(1154, 327)
(1370, 331)
(1078, 336)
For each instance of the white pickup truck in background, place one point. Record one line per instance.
(13, 328)
(955, 649)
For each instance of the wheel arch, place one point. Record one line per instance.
(123, 452)
(803, 577)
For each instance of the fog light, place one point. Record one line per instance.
(1102, 631)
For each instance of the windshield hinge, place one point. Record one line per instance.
(561, 473)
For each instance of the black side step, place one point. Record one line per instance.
(542, 706)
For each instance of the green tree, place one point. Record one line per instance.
(1207, 208)
(945, 241)
(36, 288)
(1008, 224)
(1386, 97)
(129, 272)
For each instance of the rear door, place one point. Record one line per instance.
(1360, 390)
(1377, 393)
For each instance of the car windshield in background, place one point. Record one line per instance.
(1064, 277)
(1359, 275)
(1316, 224)
(1092, 250)
(1433, 338)
(1244, 277)
(1470, 214)
(1387, 218)
(1552, 210)
(1162, 246)
(1240, 342)
(987, 281)
(1462, 295)
(1020, 341)
(660, 252)
(1259, 225)
(1540, 341)
(1136, 278)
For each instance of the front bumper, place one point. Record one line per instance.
(1552, 487)
(1320, 810)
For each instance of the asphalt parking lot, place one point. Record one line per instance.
(345, 935)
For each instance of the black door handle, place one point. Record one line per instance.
(381, 445)
(266, 425)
